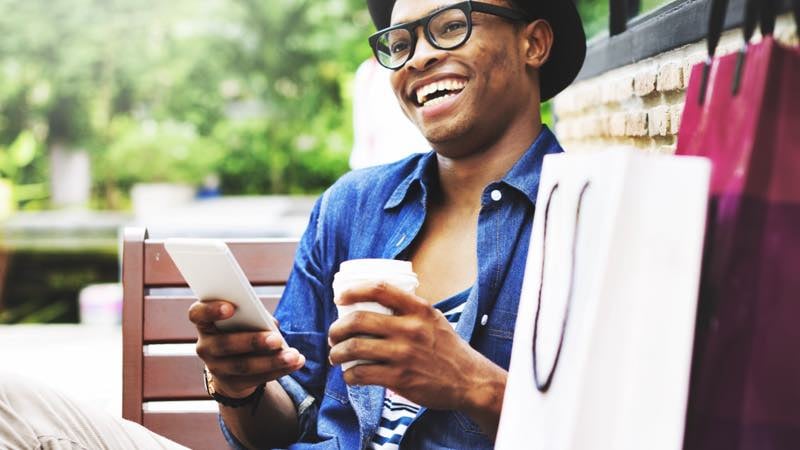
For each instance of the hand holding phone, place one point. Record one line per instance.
(212, 272)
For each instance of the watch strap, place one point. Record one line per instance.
(232, 402)
(239, 402)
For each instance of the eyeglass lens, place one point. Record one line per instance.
(447, 29)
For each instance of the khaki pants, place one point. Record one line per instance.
(33, 416)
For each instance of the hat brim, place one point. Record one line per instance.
(569, 41)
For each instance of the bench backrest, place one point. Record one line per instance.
(152, 317)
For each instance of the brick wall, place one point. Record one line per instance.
(639, 105)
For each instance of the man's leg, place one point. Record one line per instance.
(33, 416)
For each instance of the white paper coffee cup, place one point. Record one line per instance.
(356, 272)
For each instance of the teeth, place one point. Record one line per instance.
(443, 85)
(438, 100)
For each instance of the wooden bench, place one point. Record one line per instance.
(152, 317)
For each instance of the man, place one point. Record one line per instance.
(471, 76)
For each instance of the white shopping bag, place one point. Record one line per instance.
(603, 341)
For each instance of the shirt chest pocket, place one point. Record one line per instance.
(500, 324)
(498, 335)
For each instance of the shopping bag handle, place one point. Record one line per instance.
(769, 13)
(544, 386)
(716, 21)
(755, 13)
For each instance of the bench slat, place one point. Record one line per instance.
(265, 262)
(198, 431)
(166, 319)
(173, 377)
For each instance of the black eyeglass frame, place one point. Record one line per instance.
(466, 7)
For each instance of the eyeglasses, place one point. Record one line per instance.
(446, 29)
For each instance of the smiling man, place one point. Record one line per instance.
(471, 76)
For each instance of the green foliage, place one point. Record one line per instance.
(16, 162)
(152, 151)
(278, 157)
(153, 88)
(20, 154)
(300, 62)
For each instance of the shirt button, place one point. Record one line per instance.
(484, 320)
(497, 195)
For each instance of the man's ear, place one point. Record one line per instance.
(538, 37)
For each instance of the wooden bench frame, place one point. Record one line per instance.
(150, 318)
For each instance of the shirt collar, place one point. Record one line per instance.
(523, 176)
(525, 173)
(425, 165)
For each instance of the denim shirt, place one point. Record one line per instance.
(377, 213)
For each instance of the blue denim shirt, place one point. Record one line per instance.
(377, 213)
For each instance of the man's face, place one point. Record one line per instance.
(484, 81)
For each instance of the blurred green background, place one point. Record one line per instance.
(254, 92)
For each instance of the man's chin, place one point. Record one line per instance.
(443, 131)
(449, 140)
(440, 136)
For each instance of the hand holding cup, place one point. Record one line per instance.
(365, 271)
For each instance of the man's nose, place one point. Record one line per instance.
(425, 55)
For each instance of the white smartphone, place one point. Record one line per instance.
(209, 268)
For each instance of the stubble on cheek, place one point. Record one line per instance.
(499, 64)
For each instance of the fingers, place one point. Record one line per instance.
(263, 367)
(204, 314)
(223, 345)
(240, 361)
(374, 324)
(239, 375)
(392, 297)
(372, 374)
(373, 349)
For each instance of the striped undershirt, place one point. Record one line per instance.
(398, 412)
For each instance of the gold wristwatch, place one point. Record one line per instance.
(231, 402)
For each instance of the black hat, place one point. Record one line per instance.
(569, 42)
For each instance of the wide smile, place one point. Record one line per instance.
(438, 92)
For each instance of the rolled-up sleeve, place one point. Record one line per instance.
(305, 312)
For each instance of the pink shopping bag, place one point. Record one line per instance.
(743, 112)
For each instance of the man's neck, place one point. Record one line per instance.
(462, 180)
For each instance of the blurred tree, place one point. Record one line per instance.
(71, 69)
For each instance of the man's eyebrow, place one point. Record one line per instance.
(433, 11)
